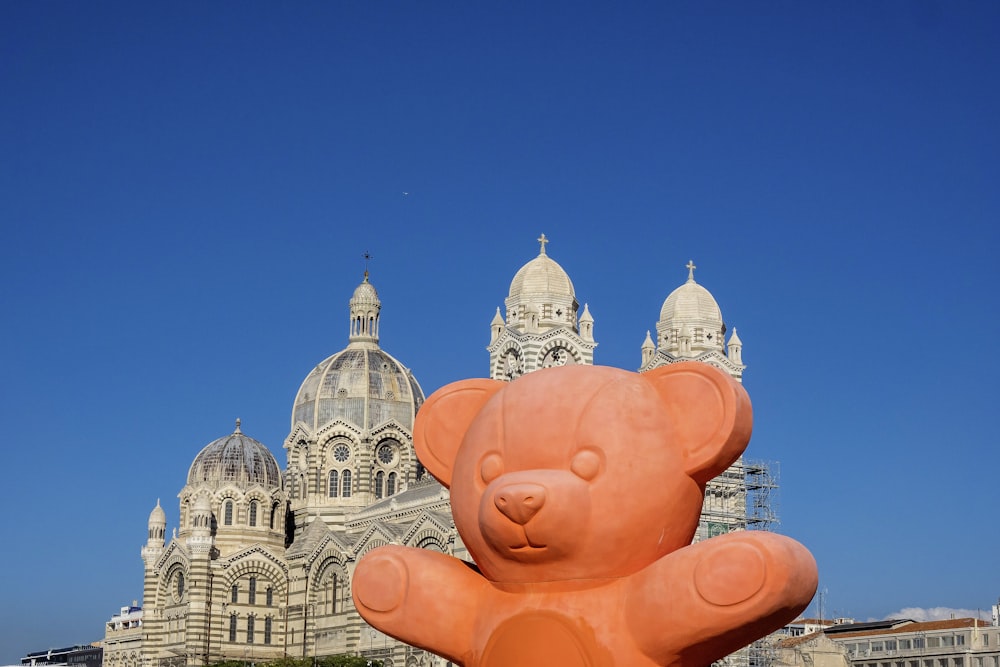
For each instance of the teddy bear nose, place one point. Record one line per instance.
(520, 502)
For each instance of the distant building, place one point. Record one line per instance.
(261, 563)
(962, 642)
(74, 656)
(123, 635)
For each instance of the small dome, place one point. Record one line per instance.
(158, 516)
(691, 303)
(542, 275)
(363, 385)
(365, 293)
(235, 459)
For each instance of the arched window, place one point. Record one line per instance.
(253, 512)
(267, 630)
(345, 484)
(333, 484)
(232, 627)
(235, 595)
(270, 597)
(274, 514)
(379, 478)
(333, 594)
(250, 620)
(253, 590)
(180, 585)
(228, 517)
(390, 486)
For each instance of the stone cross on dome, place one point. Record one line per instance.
(690, 267)
(542, 240)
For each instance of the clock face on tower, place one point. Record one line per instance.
(557, 356)
(513, 363)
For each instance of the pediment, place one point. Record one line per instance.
(391, 428)
(339, 427)
(256, 552)
(377, 534)
(299, 432)
(424, 523)
(333, 545)
(173, 552)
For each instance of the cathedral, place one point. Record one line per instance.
(260, 565)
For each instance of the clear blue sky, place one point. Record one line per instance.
(186, 190)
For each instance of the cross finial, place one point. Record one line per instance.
(237, 425)
(690, 267)
(541, 239)
(367, 257)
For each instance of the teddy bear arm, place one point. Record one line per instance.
(709, 599)
(424, 598)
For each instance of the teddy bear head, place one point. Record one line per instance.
(581, 472)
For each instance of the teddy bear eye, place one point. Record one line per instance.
(491, 467)
(586, 464)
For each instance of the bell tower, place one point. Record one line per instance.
(543, 326)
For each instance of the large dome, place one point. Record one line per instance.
(363, 385)
(235, 459)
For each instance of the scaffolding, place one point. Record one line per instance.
(744, 497)
(761, 479)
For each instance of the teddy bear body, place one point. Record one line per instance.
(577, 491)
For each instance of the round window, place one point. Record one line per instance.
(341, 452)
(386, 454)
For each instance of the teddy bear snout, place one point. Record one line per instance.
(519, 502)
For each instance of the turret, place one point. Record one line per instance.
(496, 326)
(691, 327)
(200, 539)
(587, 325)
(648, 349)
(543, 325)
(157, 526)
(684, 339)
(735, 348)
(154, 541)
(365, 308)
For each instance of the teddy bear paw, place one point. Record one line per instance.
(381, 582)
(731, 574)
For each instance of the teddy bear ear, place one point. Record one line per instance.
(710, 412)
(444, 418)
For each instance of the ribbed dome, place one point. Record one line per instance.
(691, 303)
(542, 275)
(365, 293)
(235, 459)
(362, 385)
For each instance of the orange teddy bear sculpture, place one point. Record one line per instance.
(577, 491)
